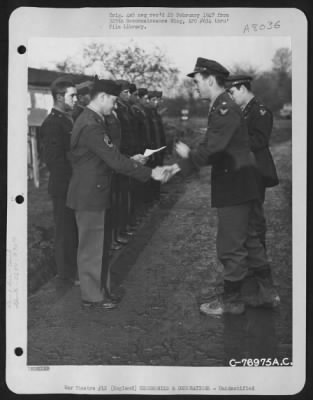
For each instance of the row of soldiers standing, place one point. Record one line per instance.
(134, 125)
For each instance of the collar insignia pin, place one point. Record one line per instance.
(223, 111)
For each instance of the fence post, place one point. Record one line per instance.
(34, 156)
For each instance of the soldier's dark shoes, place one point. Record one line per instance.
(220, 307)
(99, 305)
(122, 240)
(268, 294)
(115, 298)
(256, 301)
(116, 246)
(129, 232)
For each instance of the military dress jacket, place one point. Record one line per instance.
(78, 109)
(114, 128)
(161, 129)
(126, 118)
(94, 158)
(226, 148)
(56, 134)
(142, 126)
(260, 123)
(150, 112)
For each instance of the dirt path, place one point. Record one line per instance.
(170, 262)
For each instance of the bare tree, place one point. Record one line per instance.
(152, 69)
(246, 69)
(282, 61)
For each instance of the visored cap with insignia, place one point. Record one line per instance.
(107, 86)
(62, 80)
(234, 80)
(208, 66)
(123, 83)
(142, 92)
(84, 87)
(152, 93)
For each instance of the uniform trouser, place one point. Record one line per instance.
(259, 218)
(133, 200)
(124, 201)
(138, 197)
(93, 253)
(114, 206)
(239, 248)
(150, 186)
(65, 239)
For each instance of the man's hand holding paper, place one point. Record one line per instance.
(140, 158)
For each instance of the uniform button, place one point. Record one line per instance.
(226, 170)
(98, 186)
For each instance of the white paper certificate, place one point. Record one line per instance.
(149, 152)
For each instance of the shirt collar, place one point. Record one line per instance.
(95, 111)
(249, 104)
(63, 113)
(219, 99)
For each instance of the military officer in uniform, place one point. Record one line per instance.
(234, 186)
(83, 98)
(162, 143)
(260, 124)
(133, 98)
(158, 130)
(94, 157)
(115, 132)
(140, 144)
(153, 187)
(126, 118)
(144, 134)
(56, 133)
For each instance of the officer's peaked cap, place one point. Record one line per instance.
(234, 80)
(209, 67)
(152, 93)
(123, 83)
(107, 86)
(84, 87)
(142, 92)
(62, 80)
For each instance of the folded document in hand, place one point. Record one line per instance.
(149, 152)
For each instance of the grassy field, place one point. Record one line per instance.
(40, 223)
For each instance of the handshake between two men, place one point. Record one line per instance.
(166, 172)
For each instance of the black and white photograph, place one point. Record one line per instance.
(160, 221)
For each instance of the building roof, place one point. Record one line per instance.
(44, 77)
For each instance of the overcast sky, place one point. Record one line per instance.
(182, 51)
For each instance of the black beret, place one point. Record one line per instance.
(132, 88)
(208, 66)
(123, 83)
(107, 86)
(84, 87)
(235, 80)
(142, 92)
